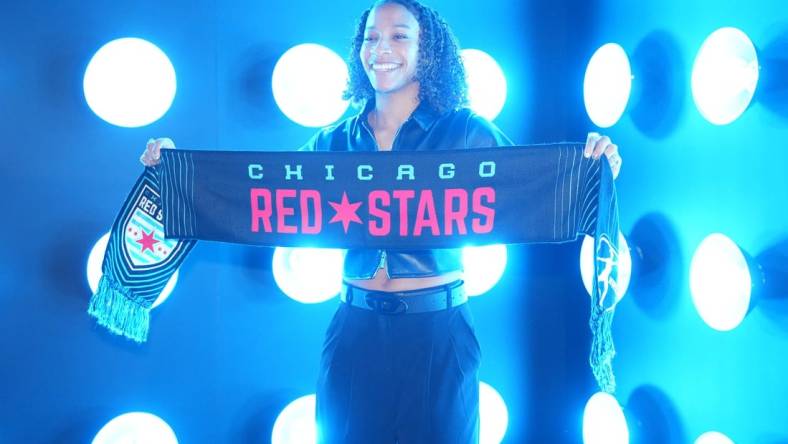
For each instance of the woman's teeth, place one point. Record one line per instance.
(384, 66)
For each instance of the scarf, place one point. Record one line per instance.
(380, 200)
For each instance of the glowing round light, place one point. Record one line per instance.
(296, 423)
(604, 421)
(308, 82)
(483, 266)
(624, 265)
(720, 282)
(724, 75)
(713, 438)
(308, 275)
(493, 415)
(607, 85)
(129, 82)
(486, 83)
(96, 258)
(136, 427)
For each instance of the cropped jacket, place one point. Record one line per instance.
(425, 129)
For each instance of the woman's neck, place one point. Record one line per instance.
(392, 110)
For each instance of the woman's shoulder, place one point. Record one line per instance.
(323, 138)
(479, 131)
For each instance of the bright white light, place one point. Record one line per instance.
(129, 82)
(96, 258)
(713, 438)
(308, 82)
(483, 266)
(724, 75)
(624, 265)
(720, 282)
(493, 415)
(607, 84)
(308, 275)
(136, 427)
(296, 423)
(604, 421)
(486, 83)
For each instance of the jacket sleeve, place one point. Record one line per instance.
(327, 138)
(312, 143)
(481, 133)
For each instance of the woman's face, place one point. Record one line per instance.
(390, 50)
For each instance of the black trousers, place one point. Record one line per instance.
(407, 379)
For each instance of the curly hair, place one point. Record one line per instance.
(439, 70)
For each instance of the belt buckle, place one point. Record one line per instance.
(383, 302)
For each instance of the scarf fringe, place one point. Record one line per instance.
(602, 348)
(114, 308)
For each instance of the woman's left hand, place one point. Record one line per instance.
(596, 145)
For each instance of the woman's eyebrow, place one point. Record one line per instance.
(372, 27)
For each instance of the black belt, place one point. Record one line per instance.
(410, 301)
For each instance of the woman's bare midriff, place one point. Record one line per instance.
(382, 282)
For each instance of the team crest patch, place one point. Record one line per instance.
(144, 244)
(607, 272)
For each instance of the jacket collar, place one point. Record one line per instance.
(424, 114)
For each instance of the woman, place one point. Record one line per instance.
(400, 358)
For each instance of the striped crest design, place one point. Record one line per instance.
(143, 232)
(138, 262)
(146, 272)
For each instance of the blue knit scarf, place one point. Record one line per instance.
(387, 200)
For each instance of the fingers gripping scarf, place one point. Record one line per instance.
(388, 200)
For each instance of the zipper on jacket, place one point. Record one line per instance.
(372, 134)
(381, 264)
(365, 125)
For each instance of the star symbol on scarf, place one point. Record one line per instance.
(147, 241)
(346, 212)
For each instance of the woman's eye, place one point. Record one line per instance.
(400, 36)
(369, 38)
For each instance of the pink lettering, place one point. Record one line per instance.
(261, 214)
(384, 227)
(314, 196)
(458, 216)
(403, 196)
(478, 194)
(282, 211)
(426, 215)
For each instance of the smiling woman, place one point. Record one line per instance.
(390, 50)
(421, 46)
(413, 376)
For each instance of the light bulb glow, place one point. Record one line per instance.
(713, 438)
(607, 85)
(136, 428)
(484, 266)
(308, 275)
(604, 421)
(307, 82)
(486, 83)
(296, 423)
(493, 415)
(724, 75)
(720, 282)
(129, 82)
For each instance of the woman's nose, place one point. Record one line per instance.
(382, 47)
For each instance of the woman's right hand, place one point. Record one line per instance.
(152, 154)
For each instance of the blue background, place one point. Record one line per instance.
(228, 350)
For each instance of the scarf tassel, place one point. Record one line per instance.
(114, 308)
(602, 348)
